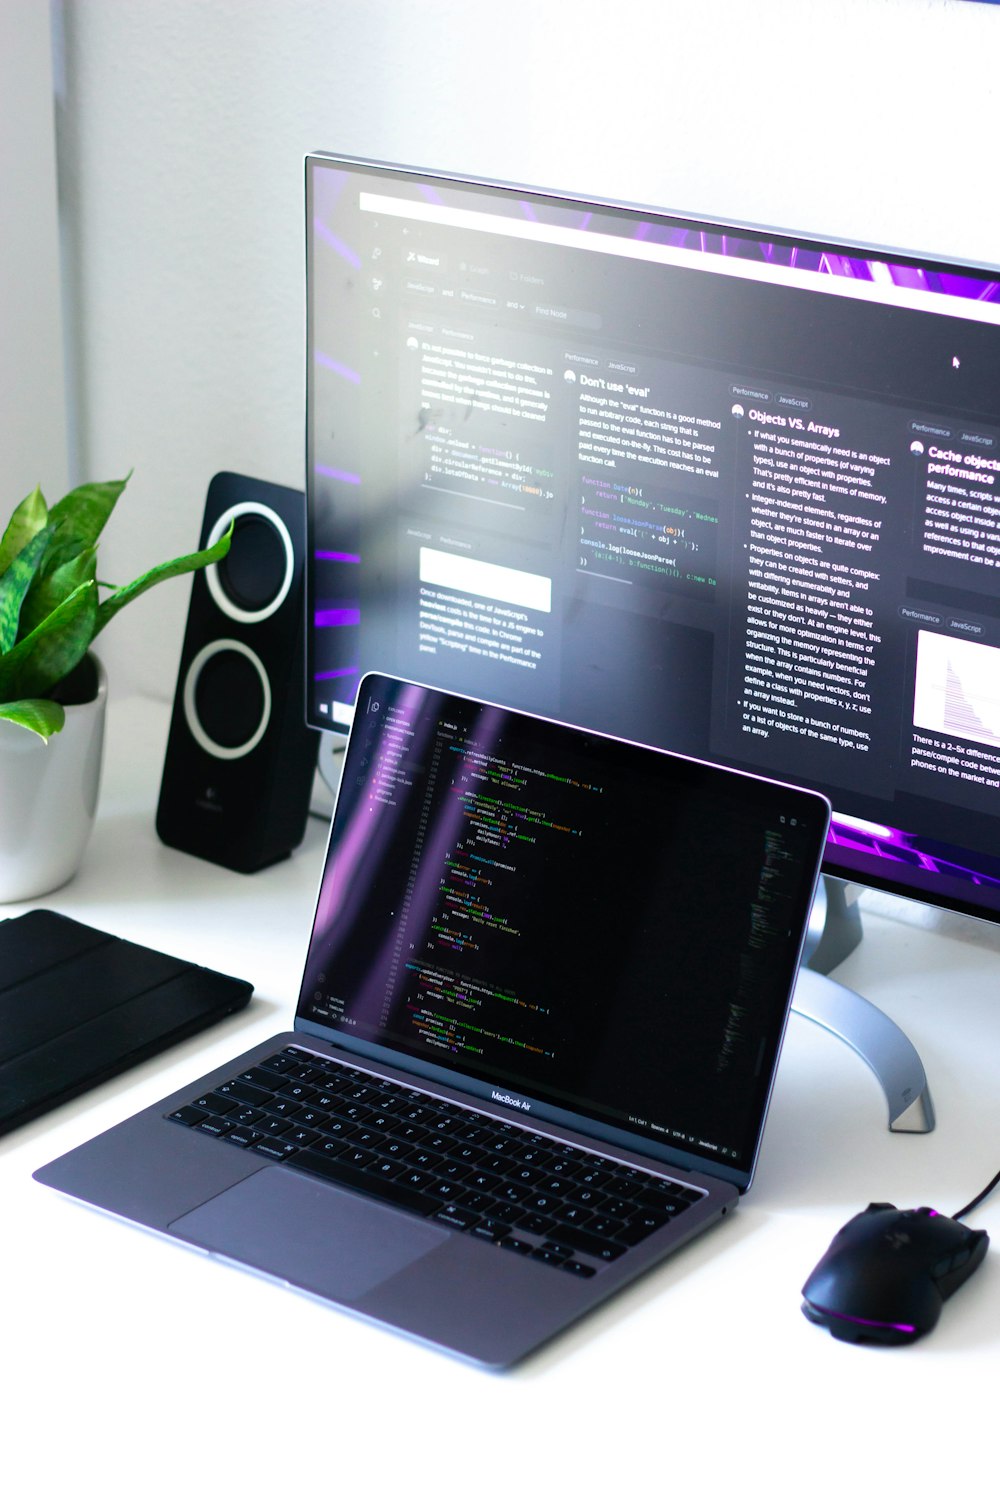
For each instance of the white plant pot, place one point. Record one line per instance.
(48, 798)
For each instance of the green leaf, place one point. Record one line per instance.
(40, 715)
(15, 583)
(33, 667)
(109, 607)
(83, 513)
(27, 520)
(48, 592)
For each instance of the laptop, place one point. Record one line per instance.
(541, 1012)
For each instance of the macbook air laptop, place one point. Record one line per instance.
(542, 1007)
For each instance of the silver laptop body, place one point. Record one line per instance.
(590, 945)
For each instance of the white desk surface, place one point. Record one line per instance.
(131, 1366)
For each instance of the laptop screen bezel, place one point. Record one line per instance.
(514, 1101)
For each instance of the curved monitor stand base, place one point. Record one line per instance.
(834, 931)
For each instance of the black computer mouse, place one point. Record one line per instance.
(888, 1271)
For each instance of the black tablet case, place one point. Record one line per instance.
(78, 1006)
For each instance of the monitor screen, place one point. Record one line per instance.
(701, 486)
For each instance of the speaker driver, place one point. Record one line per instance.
(252, 581)
(227, 699)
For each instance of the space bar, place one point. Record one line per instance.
(384, 1189)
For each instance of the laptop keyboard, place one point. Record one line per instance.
(559, 1204)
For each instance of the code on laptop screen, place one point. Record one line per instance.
(570, 920)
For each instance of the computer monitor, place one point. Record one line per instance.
(720, 490)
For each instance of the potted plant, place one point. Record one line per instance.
(52, 687)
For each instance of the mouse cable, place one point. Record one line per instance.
(978, 1198)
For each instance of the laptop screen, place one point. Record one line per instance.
(589, 931)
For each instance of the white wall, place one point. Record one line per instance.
(32, 383)
(185, 121)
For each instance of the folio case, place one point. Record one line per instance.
(78, 1005)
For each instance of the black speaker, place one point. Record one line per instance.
(239, 765)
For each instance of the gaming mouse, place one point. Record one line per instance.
(888, 1271)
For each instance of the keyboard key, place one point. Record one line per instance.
(535, 1223)
(279, 1063)
(357, 1156)
(618, 1208)
(215, 1104)
(453, 1171)
(507, 1213)
(514, 1192)
(490, 1230)
(572, 1213)
(442, 1144)
(364, 1135)
(305, 1074)
(398, 1150)
(554, 1188)
(456, 1217)
(307, 1114)
(544, 1203)
(584, 1196)
(553, 1255)
(324, 1099)
(187, 1115)
(416, 1179)
(245, 1114)
(383, 1166)
(271, 1146)
(289, 1089)
(592, 1177)
(249, 1093)
(389, 1191)
(330, 1146)
(359, 1113)
(588, 1244)
(359, 1093)
(428, 1161)
(529, 1176)
(258, 1076)
(522, 1247)
(446, 1191)
(485, 1182)
(473, 1156)
(641, 1225)
(502, 1145)
(476, 1202)
(286, 1109)
(605, 1228)
(245, 1135)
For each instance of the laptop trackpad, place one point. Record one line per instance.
(315, 1236)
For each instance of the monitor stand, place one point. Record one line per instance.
(834, 931)
(329, 764)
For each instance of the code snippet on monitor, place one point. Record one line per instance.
(458, 1015)
(643, 533)
(496, 840)
(769, 912)
(770, 917)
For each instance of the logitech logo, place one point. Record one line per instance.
(509, 1099)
